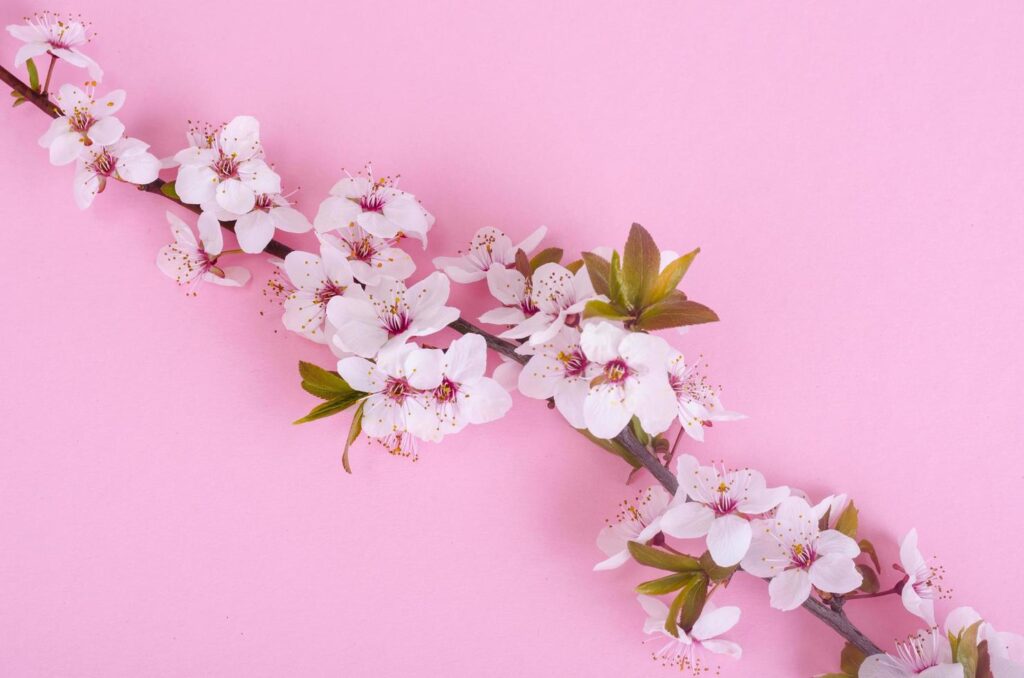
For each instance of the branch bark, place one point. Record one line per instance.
(834, 618)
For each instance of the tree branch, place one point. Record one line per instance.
(835, 619)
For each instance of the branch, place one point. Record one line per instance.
(836, 619)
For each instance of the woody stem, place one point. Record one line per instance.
(836, 619)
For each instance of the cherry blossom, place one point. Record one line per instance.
(1006, 650)
(189, 261)
(797, 556)
(127, 160)
(398, 384)
(558, 369)
(86, 121)
(315, 281)
(57, 34)
(270, 212)
(719, 504)
(926, 654)
(377, 206)
(514, 291)
(698, 402)
(920, 590)
(631, 382)
(464, 395)
(681, 652)
(558, 296)
(638, 520)
(488, 248)
(223, 169)
(371, 258)
(387, 314)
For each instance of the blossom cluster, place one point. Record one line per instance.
(582, 335)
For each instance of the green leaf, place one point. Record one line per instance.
(984, 661)
(696, 594)
(663, 585)
(870, 583)
(714, 571)
(523, 264)
(641, 262)
(33, 76)
(322, 383)
(639, 432)
(551, 255)
(869, 548)
(353, 432)
(169, 190)
(967, 649)
(847, 523)
(332, 407)
(675, 310)
(671, 276)
(615, 288)
(596, 308)
(663, 560)
(851, 659)
(599, 270)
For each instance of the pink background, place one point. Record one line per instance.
(852, 171)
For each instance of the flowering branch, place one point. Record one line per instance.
(579, 336)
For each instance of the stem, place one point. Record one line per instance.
(49, 74)
(835, 619)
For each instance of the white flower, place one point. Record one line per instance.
(698, 402)
(127, 160)
(558, 369)
(57, 34)
(632, 381)
(791, 550)
(926, 654)
(189, 261)
(512, 289)
(398, 383)
(86, 121)
(1006, 650)
(372, 258)
(464, 396)
(269, 213)
(681, 652)
(719, 506)
(315, 281)
(488, 248)
(920, 589)
(638, 521)
(557, 294)
(377, 206)
(223, 170)
(388, 314)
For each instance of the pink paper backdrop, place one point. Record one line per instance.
(852, 171)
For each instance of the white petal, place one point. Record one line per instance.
(728, 539)
(235, 197)
(790, 589)
(835, 574)
(688, 520)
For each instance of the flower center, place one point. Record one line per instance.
(616, 371)
(397, 389)
(226, 166)
(103, 164)
(447, 391)
(802, 556)
(80, 121)
(575, 363)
